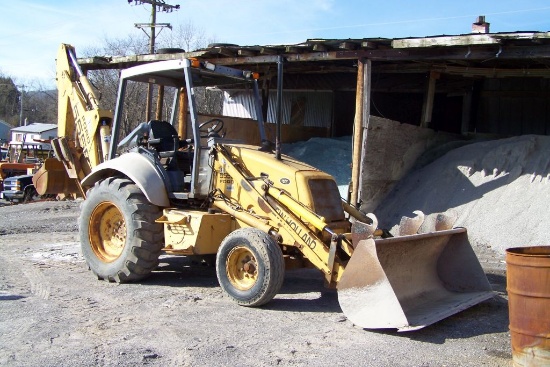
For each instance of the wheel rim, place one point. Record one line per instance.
(242, 268)
(107, 232)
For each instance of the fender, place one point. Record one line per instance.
(140, 170)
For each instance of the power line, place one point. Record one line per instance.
(156, 5)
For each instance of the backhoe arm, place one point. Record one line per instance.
(80, 120)
(83, 129)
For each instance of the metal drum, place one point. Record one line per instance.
(528, 286)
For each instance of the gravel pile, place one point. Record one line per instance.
(499, 189)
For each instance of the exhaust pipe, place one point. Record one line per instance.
(280, 60)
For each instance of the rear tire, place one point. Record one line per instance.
(250, 266)
(119, 237)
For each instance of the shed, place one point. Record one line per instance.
(398, 97)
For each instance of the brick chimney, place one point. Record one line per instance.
(480, 26)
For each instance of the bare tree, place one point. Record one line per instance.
(40, 103)
(106, 81)
(187, 36)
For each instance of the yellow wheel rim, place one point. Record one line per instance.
(242, 268)
(107, 232)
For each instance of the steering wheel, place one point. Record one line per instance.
(211, 127)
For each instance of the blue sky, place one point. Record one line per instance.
(33, 29)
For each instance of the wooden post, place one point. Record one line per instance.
(466, 112)
(360, 126)
(428, 106)
(160, 103)
(182, 116)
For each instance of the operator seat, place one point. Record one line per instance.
(164, 138)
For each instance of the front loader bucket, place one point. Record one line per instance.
(52, 179)
(410, 282)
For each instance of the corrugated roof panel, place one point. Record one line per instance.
(312, 109)
(238, 103)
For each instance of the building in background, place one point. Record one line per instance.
(31, 143)
(35, 134)
(4, 132)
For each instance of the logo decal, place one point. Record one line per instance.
(284, 181)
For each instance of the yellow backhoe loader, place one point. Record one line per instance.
(258, 211)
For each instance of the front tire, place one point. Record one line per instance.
(119, 237)
(250, 266)
(30, 194)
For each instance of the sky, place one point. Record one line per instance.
(32, 30)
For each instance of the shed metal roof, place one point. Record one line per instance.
(35, 128)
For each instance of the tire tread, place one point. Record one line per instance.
(145, 241)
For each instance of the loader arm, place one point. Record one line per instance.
(294, 224)
(83, 130)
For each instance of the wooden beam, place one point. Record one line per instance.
(320, 47)
(272, 59)
(160, 103)
(466, 71)
(357, 133)
(369, 45)
(469, 39)
(347, 45)
(495, 72)
(472, 39)
(268, 56)
(246, 52)
(292, 50)
(367, 80)
(428, 105)
(268, 51)
(360, 126)
(225, 51)
(466, 112)
(466, 53)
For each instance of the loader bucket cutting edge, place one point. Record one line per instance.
(410, 282)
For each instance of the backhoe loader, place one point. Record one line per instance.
(257, 211)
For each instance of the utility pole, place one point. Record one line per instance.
(21, 111)
(156, 5)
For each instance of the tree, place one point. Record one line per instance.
(10, 100)
(187, 36)
(40, 105)
(106, 81)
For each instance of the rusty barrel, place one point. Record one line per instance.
(528, 286)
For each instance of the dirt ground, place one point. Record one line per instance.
(53, 312)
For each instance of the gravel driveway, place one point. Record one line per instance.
(53, 312)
